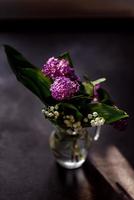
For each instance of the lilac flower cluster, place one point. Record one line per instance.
(65, 83)
(64, 88)
(55, 67)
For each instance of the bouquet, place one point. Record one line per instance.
(69, 102)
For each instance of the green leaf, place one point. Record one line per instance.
(34, 80)
(79, 97)
(110, 113)
(16, 59)
(80, 101)
(66, 56)
(70, 109)
(104, 97)
(98, 81)
(29, 75)
(89, 88)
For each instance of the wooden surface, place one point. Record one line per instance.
(27, 168)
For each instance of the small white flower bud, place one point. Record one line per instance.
(43, 111)
(51, 108)
(78, 124)
(75, 125)
(102, 121)
(67, 116)
(50, 115)
(67, 122)
(92, 123)
(90, 116)
(85, 120)
(95, 114)
(56, 107)
(69, 125)
(46, 112)
(97, 119)
(96, 123)
(99, 123)
(56, 113)
(72, 118)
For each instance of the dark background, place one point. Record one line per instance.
(99, 47)
(65, 9)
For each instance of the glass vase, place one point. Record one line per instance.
(70, 148)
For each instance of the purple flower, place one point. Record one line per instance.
(55, 68)
(50, 68)
(64, 88)
(96, 95)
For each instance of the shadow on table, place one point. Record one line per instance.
(85, 183)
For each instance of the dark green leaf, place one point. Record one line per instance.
(110, 113)
(79, 97)
(16, 59)
(66, 56)
(80, 101)
(34, 80)
(104, 97)
(29, 75)
(69, 108)
(89, 88)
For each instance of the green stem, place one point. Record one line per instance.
(75, 155)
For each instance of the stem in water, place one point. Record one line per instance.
(97, 135)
